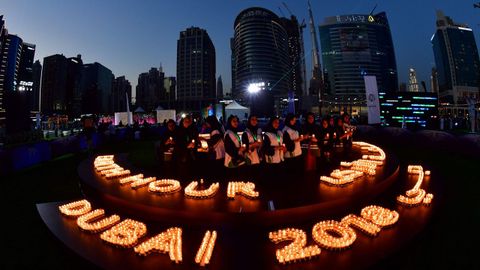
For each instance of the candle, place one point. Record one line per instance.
(90, 222)
(191, 191)
(296, 250)
(243, 188)
(125, 234)
(164, 186)
(169, 241)
(416, 195)
(204, 253)
(75, 209)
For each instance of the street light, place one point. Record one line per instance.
(254, 88)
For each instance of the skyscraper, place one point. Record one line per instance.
(74, 94)
(261, 60)
(121, 89)
(457, 61)
(37, 77)
(150, 89)
(412, 80)
(196, 69)
(54, 80)
(354, 46)
(96, 86)
(219, 88)
(16, 81)
(62, 92)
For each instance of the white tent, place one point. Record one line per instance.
(139, 110)
(236, 109)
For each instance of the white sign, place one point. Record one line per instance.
(165, 115)
(373, 103)
(122, 117)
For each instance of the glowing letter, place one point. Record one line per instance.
(169, 241)
(125, 234)
(296, 250)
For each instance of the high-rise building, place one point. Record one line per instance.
(295, 52)
(150, 89)
(412, 81)
(457, 61)
(74, 94)
(261, 61)
(62, 92)
(219, 88)
(121, 94)
(96, 87)
(16, 81)
(37, 77)
(17, 85)
(354, 46)
(54, 80)
(3, 33)
(170, 88)
(434, 81)
(196, 69)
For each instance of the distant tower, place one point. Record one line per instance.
(260, 61)
(412, 81)
(457, 61)
(316, 83)
(195, 70)
(219, 87)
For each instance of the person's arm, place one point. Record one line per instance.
(214, 138)
(289, 143)
(267, 148)
(230, 147)
(245, 140)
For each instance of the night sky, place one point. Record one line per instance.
(130, 36)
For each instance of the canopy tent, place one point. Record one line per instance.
(236, 109)
(139, 110)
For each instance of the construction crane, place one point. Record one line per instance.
(316, 83)
(289, 11)
(281, 12)
(302, 26)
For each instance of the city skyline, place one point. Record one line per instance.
(105, 37)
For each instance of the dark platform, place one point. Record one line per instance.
(297, 196)
(247, 248)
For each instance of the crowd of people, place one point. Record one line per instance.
(233, 147)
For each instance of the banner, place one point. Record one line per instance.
(373, 103)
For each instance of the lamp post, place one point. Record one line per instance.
(253, 90)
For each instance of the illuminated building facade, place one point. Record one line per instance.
(260, 61)
(412, 81)
(457, 61)
(354, 46)
(413, 109)
(16, 81)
